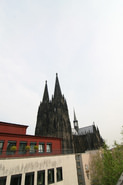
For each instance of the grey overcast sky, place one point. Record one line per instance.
(80, 40)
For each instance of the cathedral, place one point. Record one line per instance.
(53, 121)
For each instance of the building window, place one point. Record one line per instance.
(79, 170)
(15, 179)
(50, 176)
(32, 144)
(22, 147)
(9, 146)
(41, 148)
(80, 177)
(49, 147)
(29, 178)
(1, 146)
(2, 180)
(59, 174)
(78, 164)
(77, 157)
(41, 177)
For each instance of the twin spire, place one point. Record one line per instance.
(46, 94)
(57, 91)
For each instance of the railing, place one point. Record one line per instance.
(17, 153)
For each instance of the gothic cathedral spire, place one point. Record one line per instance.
(57, 91)
(76, 127)
(53, 118)
(46, 94)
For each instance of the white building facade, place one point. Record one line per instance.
(55, 170)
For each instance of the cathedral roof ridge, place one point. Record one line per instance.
(85, 130)
(89, 126)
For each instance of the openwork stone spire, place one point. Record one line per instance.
(75, 122)
(53, 121)
(57, 91)
(53, 118)
(46, 94)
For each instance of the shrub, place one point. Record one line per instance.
(13, 148)
(27, 148)
(36, 147)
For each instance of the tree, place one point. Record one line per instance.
(106, 165)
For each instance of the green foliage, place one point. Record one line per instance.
(107, 165)
(36, 147)
(27, 148)
(13, 148)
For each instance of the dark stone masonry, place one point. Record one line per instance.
(53, 121)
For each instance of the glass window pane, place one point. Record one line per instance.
(2, 180)
(78, 164)
(22, 147)
(80, 177)
(59, 174)
(77, 157)
(49, 147)
(9, 146)
(32, 144)
(41, 177)
(41, 147)
(29, 178)
(16, 179)
(50, 176)
(1, 146)
(79, 170)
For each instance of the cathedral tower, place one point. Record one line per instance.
(53, 118)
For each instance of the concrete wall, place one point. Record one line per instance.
(120, 181)
(14, 166)
(85, 157)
